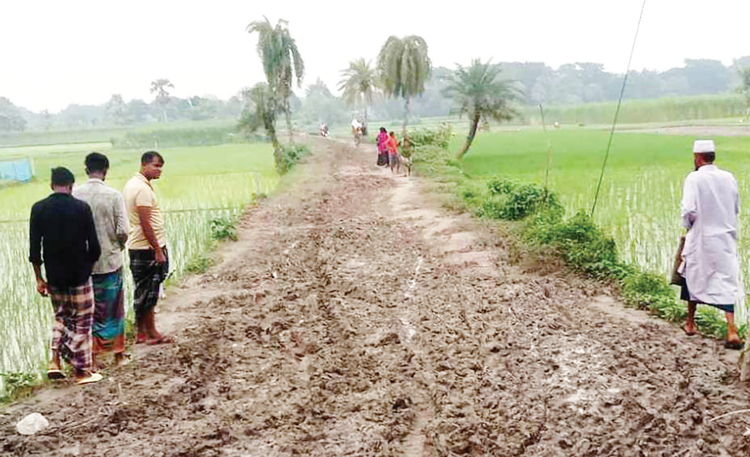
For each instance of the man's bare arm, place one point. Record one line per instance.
(41, 284)
(144, 217)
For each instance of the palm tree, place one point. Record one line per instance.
(260, 110)
(480, 94)
(404, 66)
(359, 84)
(281, 60)
(159, 87)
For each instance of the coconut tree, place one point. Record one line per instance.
(403, 67)
(261, 107)
(359, 84)
(482, 95)
(159, 87)
(282, 62)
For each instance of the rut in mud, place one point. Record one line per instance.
(354, 317)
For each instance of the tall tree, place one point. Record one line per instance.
(482, 95)
(404, 66)
(159, 87)
(744, 88)
(320, 105)
(282, 62)
(11, 119)
(359, 84)
(115, 109)
(261, 107)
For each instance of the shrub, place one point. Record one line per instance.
(17, 385)
(512, 201)
(288, 156)
(198, 264)
(491, 208)
(528, 199)
(439, 137)
(581, 243)
(223, 228)
(648, 291)
(501, 186)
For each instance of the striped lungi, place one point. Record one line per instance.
(109, 314)
(71, 331)
(147, 276)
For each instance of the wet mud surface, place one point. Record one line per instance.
(355, 317)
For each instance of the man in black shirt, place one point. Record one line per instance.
(63, 238)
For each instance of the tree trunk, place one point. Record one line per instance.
(406, 114)
(469, 138)
(278, 150)
(365, 126)
(288, 116)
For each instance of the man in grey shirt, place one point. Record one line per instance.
(108, 208)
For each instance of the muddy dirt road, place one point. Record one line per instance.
(355, 317)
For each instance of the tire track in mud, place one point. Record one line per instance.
(354, 317)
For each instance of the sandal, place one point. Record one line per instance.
(90, 379)
(735, 345)
(55, 374)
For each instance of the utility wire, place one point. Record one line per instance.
(617, 111)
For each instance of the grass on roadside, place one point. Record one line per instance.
(539, 217)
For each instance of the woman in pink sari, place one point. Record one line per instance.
(383, 147)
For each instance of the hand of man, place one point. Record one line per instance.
(42, 288)
(160, 257)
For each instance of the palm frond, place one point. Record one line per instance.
(479, 90)
(404, 66)
(281, 59)
(358, 83)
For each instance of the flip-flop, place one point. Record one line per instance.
(55, 374)
(735, 345)
(163, 339)
(141, 338)
(94, 377)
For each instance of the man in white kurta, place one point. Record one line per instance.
(710, 268)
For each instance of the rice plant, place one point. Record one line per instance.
(639, 204)
(199, 185)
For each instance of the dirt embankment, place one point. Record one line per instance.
(354, 317)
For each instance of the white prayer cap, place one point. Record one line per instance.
(701, 146)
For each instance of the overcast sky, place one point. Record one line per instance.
(53, 53)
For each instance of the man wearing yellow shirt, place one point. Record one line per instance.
(147, 246)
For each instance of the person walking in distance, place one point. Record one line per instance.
(709, 267)
(394, 160)
(111, 224)
(62, 237)
(147, 246)
(383, 147)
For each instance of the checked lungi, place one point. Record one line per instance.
(147, 276)
(71, 331)
(109, 314)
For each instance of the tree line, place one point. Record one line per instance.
(400, 82)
